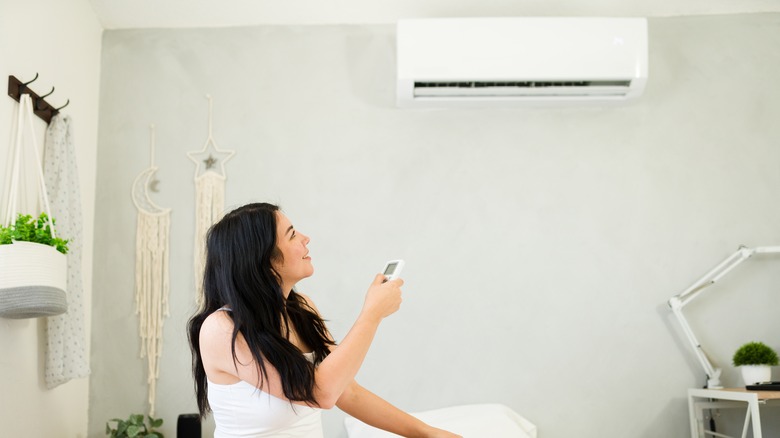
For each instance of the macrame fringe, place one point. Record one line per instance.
(209, 208)
(152, 289)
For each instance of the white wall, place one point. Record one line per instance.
(61, 41)
(541, 244)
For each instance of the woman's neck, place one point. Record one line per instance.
(286, 289)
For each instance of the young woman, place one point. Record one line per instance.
(264, 363)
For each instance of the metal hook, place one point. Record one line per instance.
(63, 106)
(24, 85)
(49, 93)
(40, 99)
(31, 81)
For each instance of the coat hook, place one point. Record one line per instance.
(49, 93)
(40, 99)
(24, 85)
(31, 81)
(63, 106)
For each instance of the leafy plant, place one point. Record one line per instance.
(755, 353)
(27, 229)
(134, 427)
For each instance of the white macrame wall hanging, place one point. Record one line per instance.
(210, 180)
(152, 249)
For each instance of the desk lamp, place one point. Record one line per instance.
(682, 299)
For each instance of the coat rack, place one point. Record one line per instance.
(41, 108)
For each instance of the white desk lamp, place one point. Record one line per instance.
(680, 300)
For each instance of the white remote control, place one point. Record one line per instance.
(393, 269)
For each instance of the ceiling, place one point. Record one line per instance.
(129, 14)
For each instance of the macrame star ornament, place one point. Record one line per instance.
(210, 180)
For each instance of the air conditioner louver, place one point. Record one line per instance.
(511, 89)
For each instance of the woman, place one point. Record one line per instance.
(263, 360)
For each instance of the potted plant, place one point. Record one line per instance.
(755, 360)
(134, 427)
(33, 280)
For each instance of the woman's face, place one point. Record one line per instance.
(295, 264)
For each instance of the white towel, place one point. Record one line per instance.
(66, 356)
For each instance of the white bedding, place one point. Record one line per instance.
(470, 421)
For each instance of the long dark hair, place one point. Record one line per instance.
(239, 275)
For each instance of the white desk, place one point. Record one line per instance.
(701, 399)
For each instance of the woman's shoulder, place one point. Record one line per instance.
(217, 326)
(216, 348)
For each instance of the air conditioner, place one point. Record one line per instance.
(450, 62)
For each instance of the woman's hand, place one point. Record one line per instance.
(383, 298)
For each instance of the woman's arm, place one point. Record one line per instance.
(338, 370)
(375, 411)
(372, 409)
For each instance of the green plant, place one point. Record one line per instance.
(134, 427)
(27, 229)
(755, 353)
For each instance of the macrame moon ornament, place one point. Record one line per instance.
(152, 249)
(209, 198)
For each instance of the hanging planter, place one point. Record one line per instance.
(33, 278)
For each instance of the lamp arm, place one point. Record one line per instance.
(723, 268)
(713, 373)
(713, 275)
(768, 250)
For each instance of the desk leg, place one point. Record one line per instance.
(756, 420)
(747, 421)
(696, 417)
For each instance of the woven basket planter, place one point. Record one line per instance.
(33, 281)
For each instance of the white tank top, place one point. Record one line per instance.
(243, 411)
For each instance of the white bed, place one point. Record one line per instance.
(470, 421)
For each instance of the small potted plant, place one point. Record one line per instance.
(134, 427)
(33, 280)
(755, 360)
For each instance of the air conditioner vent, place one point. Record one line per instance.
(520, 88)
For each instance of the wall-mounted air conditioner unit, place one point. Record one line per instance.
(450, 62)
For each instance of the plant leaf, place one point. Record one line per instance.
(27, 229)
(121, 428)
(134, 430)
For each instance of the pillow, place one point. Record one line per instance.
(470, 421)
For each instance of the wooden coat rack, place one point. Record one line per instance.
(41, 108)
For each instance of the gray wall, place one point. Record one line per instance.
(541, 244)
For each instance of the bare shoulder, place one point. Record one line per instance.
(216, 336)
(216, 348)
(217, 328)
